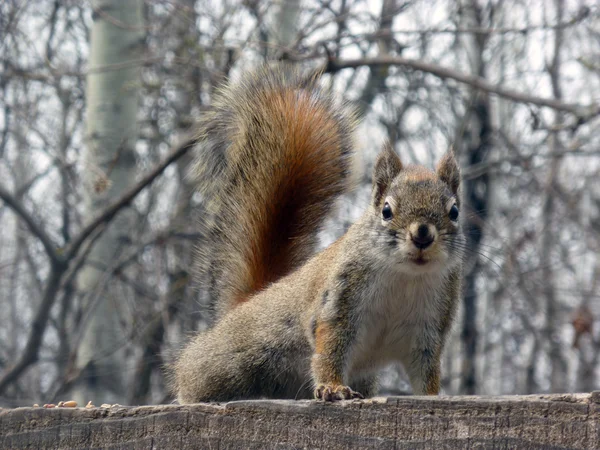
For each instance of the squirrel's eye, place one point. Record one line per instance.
(386, 212)
(453, 214)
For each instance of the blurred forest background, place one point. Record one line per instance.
(97, 218)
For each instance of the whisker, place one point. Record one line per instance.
(302, 386)
(467, 246)
(483, 255)
(479, 244)
(487, 247)
(489, 232)
(490, 247)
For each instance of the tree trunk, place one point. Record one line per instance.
(111, 132)
(558, 365)
(477, 145)
(284, 31)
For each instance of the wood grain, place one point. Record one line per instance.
(511, 422)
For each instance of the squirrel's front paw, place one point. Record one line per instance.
(332, 392)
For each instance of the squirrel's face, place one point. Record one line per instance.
(417, 213)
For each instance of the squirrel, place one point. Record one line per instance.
(272, 157)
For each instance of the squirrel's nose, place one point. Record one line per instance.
(422, 238)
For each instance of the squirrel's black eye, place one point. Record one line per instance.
(453, 214)
(386, 212)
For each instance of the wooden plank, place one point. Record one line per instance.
(511, 422)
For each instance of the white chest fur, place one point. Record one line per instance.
(396, 308)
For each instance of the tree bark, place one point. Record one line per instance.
(111, 132)
(519, 422)
(284, 32)
(551, 332)
(477, 140)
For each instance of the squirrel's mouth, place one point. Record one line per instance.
(419, 260)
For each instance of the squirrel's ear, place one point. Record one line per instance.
(448, 171)
(387, 166)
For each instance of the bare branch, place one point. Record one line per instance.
(581, 15)
(111, 211)
(36, 331)
(35, 229)
(38, 327)
(583, 113)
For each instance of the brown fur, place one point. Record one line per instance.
(322, 338)
(271, 161)
(421, 174)
(272, 157)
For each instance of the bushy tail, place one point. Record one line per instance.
(271, 158)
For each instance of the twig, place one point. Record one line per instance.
(60, 264)
(36, 332)
(108, 214)
(36, 230)
(582, 112)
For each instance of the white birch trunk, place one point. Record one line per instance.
(111, 131)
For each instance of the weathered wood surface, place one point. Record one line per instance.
(515, 422)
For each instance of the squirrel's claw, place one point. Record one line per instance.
(330, 393)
